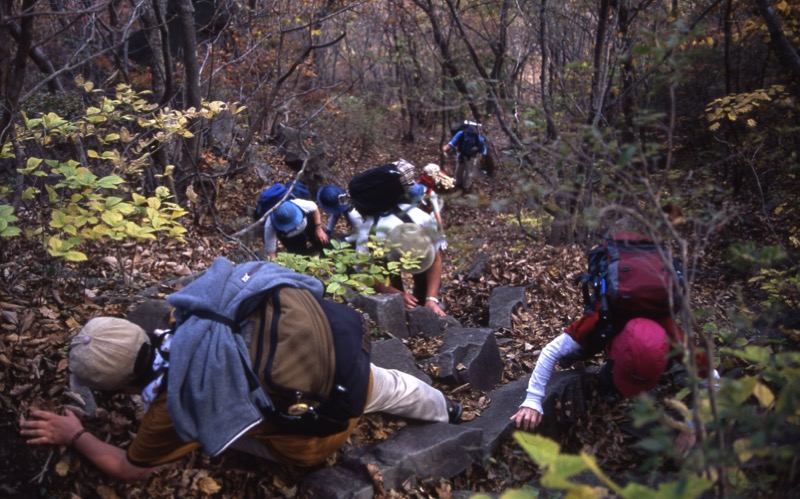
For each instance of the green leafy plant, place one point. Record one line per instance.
(342, 269)
(84, 175)
(6, 219)
(560, 470)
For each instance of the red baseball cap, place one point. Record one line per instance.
(640, 354)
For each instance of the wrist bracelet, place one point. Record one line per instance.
(76, 436)
(433, 299)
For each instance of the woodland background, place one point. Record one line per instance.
(137, 133)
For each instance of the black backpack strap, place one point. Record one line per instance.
(213, 316)
(402, 215)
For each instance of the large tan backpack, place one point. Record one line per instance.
(312, 358)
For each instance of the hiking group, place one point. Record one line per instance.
(252, 357)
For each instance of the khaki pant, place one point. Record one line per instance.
(465, 171)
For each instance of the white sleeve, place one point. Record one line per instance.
(270, 237)
(435, 202)
(561, 346)
(363, 235)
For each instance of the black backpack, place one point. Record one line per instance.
(376, 192)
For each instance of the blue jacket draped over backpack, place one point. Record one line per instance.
(213, 396)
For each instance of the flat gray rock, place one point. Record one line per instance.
(469, 355)
(421, 451)
(503, 301)
(495, 421)
(336, 483)
(387, 311)
(423, 321)
(393, 354)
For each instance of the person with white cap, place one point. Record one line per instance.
(434, 181)
(298, 225)
(188, 374)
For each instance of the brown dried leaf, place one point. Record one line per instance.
(20, 389)
(106, 492)
(377, 479)
(208, 485)
(10, 317)
(62, 468)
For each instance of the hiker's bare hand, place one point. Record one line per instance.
(435, 307)
(684, 442)
(50, 428)
(409, 300)
(527, 419)
(322, 236)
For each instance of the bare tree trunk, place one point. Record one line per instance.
(15, 77)
(786, 53)
(728, 40)
(152, 20)
(191, 82)
(627, 90)
(597, 92)
(552, 132)
(448, 65)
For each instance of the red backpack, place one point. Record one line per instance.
(627, 275)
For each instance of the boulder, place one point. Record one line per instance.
(494, 422)
(336, 483)
(387, 311)
(423, 321)
(151, 315)
(469, 355)
(503, 301)
(302, 147)
(421, 451)
(476, 270)
(393, 354)
(564, 400)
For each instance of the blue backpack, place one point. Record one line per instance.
(273, 194)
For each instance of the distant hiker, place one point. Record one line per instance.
(468, 143)
(253, 360)
(335, 201)
(298, 226)
(426, 242)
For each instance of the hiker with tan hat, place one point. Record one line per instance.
(253, 359)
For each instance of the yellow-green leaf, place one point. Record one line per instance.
(742, 449)
(764, 395)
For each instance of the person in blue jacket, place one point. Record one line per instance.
(468, 143)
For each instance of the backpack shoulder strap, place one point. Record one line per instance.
(402, 215)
